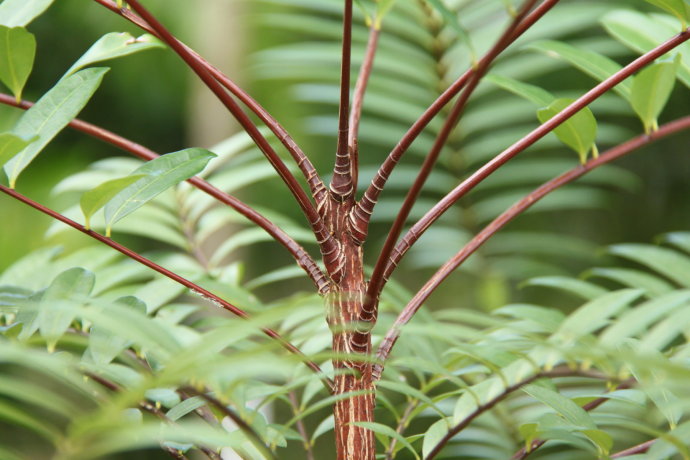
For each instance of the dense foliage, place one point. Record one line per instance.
(540, 339)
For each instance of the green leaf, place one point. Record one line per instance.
(17, 52)
(578, 132)
(385, 430)
(576, 287)
(55, 308)
(15, 13)
(95, 199)
(643, 316)
(10, 145)
(680, 240)
(532, 93)
(650, 91)
(652, 285)
(167, 397)
(433, 435)
(594, 314)
(162, 173)
(570, 411)
(365, 12)
(642, 33)
(115, 45)
(678, 8)
(594, 64)
(185, 407)
(667, 262)
(51, 114)
(104, 345)
(382, 9)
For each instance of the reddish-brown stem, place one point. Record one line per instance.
(362, 212)
(341, 183)
(508, 215)
(316, 186)
(358, 99)
(327, 243)
(468, 184)
(169, 274)
(464, 423)
(301, 429)
(377, 280)
(302, 257)
(638, 449)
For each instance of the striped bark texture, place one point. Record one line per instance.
(351, 341)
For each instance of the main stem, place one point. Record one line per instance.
(353, 381)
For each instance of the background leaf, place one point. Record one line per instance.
(532, 93)
(51, 114)
(14, 13)
(10, 145)
(578, 132)
(161, 174)
(56, 308)
(95, 199)
(650, 91)
(115, 45)
(17, 52)
(678, 8)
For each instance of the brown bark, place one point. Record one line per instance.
(350, 340)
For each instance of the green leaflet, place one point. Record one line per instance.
(680, 240)
(51, 114)
(167, 397)
(570, 411)
(678, 8)
(365, 11)
(96, 198)
(532, 93)
(17, 52)
(56, 308)
(652, 285)
(382, 9)
(641, 33)
(578, 132)
(10, 145)
(577, 287)
(185, 407)
(161, 174)
(595, 314)
(433, 435)
(669, 263)
(15, 13)
(594, 64)
(640, 319)
(104, 346)
(651, 89)
(575, 415)
(115, 45)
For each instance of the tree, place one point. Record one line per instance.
(143, 347)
